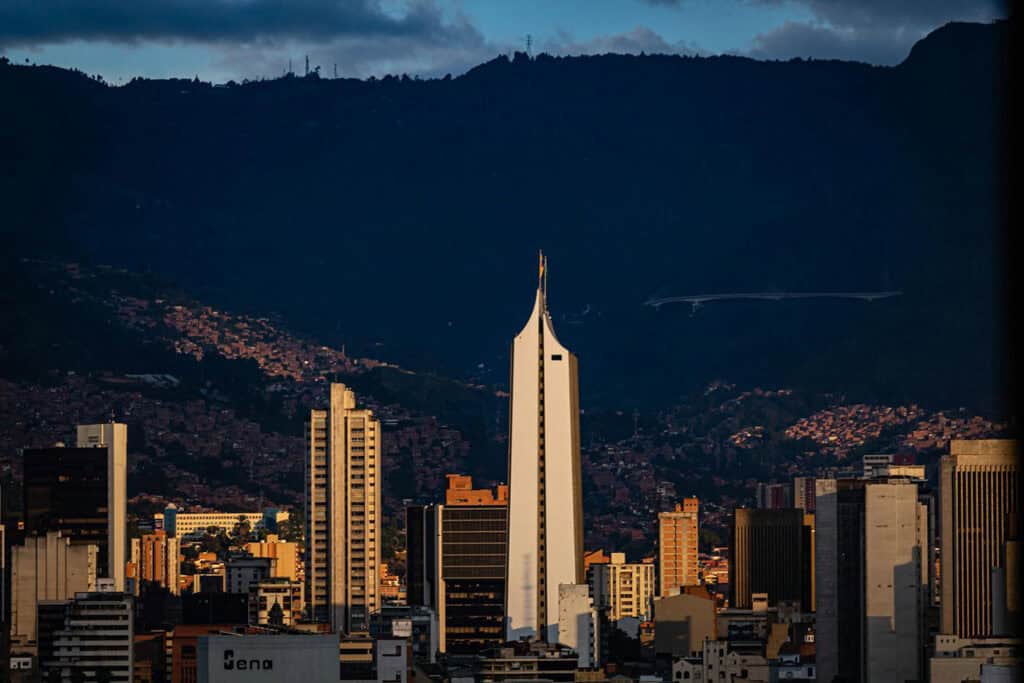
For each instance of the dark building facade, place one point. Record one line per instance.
(474, 539)
(421, 567)
(767, 556)
(66, 491)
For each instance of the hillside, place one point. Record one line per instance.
(401, 217)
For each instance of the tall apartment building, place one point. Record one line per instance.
(980, 495)
(343, 512)
(96, 639)
(773, 496)
(767, 549)
(156, 557)
(82, 493)
(624, 589)
(677, 547)
(872, 579)
(545, 542)
(456, 565)
(803, 493)
(46, 568)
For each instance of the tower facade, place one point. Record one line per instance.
(343, 514)
(979, 490)
(545, 532)
(677, 547)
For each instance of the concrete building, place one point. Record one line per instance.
(46, 568)
(526, 661)
(773, 496)
(239, 573)
(958, 659)
(343, 511)
(82, 493)
(283, 556)
(180, 524)
(112, 437)
(157, 560)
(270, 658)
(97, 637)
(678, 546)
(980, 493)
(579, 625)
(545, 544)
(276, 601)
(683, 621)
(624, 589)
(803, 493)
(767, 549)
(872, 579)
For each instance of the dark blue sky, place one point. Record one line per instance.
(220, 40)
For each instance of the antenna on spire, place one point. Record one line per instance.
(542, 275)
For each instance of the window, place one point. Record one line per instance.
(556, 356)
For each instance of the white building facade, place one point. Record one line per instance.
(545, 540)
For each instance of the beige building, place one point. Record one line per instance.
(979, 490)
(114, 437)
(343, 511)
(578, 624)
(625, 589)
(46, 568)
(276, 601)
(188, 523)
(545, 532)
(156, 559)
(284, 556)
(677, 547)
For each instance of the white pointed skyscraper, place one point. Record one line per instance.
(545, 519)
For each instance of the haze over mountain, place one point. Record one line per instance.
(402, 217)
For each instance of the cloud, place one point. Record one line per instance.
(640, 39)
(875, 31)
(30, 22)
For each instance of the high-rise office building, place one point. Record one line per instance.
(47, 567)
(343, 513)
(767, 556)
(677, 547)
(81, 492)
(803, 493)
(545, 542)
(980, 494)
(624, 589)
(872, 579)
(423, 555)
(473, 547)
(113, 438)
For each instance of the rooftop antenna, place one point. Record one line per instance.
(289, 65)
(529, 45)
(307, 66)
(335, 69)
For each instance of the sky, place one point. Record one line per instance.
(221, 40)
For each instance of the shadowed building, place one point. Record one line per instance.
(767, 556)
(545, 539)
(81, 492)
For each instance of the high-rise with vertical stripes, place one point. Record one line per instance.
(980, 493)
(545, 517)
(343, 514)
